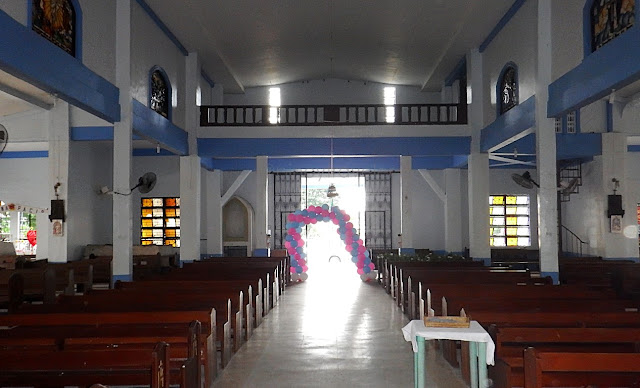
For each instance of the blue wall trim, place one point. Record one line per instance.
(91, 133)
(78, 26)
(122, 278)
(208, 79)
(297, 164)
(525, 145)
(162, 26)
(407, 251)
(501, 24)
(633, 148)
(458, 72)
(579, 145)
(151, 125)
(555, 276)
(21, 54)
(413, 146)
(609, 117)
(261, 252)
(151, 152)
(24, 154)
(438, 162)
(613, 66)
(509, 125)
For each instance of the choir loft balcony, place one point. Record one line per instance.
(332, 115)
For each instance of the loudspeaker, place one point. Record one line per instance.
(331, 114)
(615, 206)
(57, 210)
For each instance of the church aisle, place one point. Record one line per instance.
(332, 331)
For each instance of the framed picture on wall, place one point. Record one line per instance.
(616, 224)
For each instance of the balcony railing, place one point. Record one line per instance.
(325, 115)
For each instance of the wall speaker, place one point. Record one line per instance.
(615, 206)
(57, 210)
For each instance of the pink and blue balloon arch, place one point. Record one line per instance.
(312, 215)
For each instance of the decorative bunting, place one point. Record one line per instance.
(23, 208)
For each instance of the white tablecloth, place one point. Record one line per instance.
(473, 333)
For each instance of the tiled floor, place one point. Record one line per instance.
(332, 331)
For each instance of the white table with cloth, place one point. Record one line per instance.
(481, 348)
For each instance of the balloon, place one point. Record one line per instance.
(354, 259)
(292, 269)
(305, 212)
(295, 277)
(349, 225)
(360, 271)
(294, 243)
(348, 248)
(299, 269)
(298, 229)
(287, 244)
(346, 217)
(364, 277)
(32, 237)
(366, 269)
(335, 221)
(300, 243)
(367, 262)
(325, 207)
(291, 217)
(304, 276)
(297, 256)
(305, 268)
(372, 266)
(314, 221)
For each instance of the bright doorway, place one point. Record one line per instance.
(325, 251)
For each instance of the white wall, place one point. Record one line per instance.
(89, 215)
(98, 37)
(428, 212)
(567, 42)
(502, 184)
(331, 91)
(17, 9)
(151, 47)
(516, 43)
(30, 126)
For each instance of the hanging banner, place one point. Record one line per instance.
(11, 207)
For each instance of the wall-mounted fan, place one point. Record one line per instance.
(4, 138)
(567, 187)
(524, 180)
(146, 183)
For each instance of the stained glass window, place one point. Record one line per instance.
(160, 93)
(160, 221)
(509, 224)
(508, 89)
(55, 20)
(609, 19)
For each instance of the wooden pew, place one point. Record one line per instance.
(131, 321)
(511, 342)
(580, 369)
(86, 367)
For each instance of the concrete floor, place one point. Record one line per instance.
(332, 331)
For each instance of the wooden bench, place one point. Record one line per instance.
(566, 369)
(86, 367)
(129, 321)
(511, 342)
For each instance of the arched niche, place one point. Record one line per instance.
(237, 226)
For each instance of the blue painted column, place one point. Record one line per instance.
(546, 150)
(122, 149)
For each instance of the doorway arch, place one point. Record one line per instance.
(294, 243)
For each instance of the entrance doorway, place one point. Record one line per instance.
(325, 250)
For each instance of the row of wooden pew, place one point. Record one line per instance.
(574, 334)
(195, 317)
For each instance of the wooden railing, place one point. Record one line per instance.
(326, 115)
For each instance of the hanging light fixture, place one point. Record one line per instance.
(331, 191)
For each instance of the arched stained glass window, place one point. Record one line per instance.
(55, 20)
(508, 89)
(609, 19)
(160, 92)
